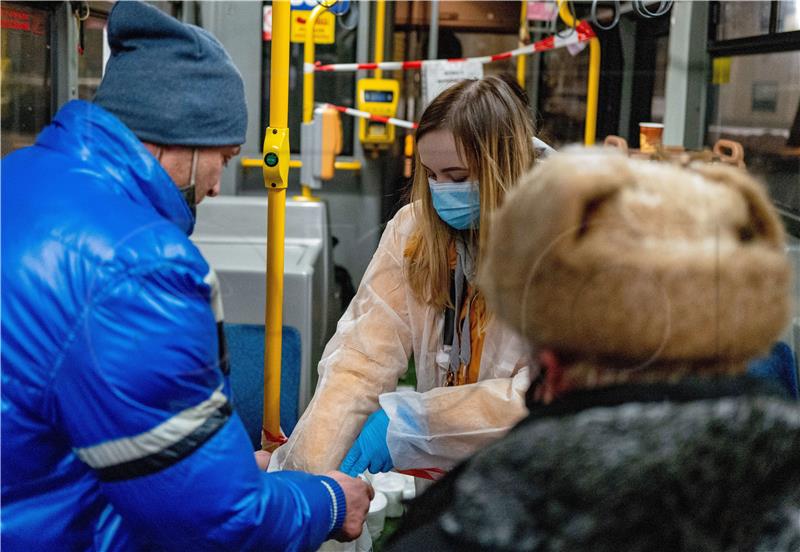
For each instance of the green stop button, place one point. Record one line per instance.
(271, 159)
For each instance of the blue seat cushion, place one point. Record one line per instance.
(246, 358)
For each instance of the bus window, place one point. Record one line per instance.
(741, 19)
(788, 17)
(758, 104)
(27, 89)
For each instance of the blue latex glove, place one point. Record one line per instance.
(370, 450)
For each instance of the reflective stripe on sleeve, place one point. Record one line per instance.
(162, 446)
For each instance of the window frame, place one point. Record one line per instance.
(771, 42)
(767, 43)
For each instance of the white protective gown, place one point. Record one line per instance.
(384, 325)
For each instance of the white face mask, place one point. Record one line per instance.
(189, 190)
(457, 203)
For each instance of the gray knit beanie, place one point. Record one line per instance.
(169, 82)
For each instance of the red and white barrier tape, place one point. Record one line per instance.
(372, 117)
(583, 32)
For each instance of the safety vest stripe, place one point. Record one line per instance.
(156, 446)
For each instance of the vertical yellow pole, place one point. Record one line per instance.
(380, 33)
(592, 92)
(276, 176)
(308, 79)
(593, 85)
(523, 37)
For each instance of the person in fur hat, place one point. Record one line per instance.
(645, 289)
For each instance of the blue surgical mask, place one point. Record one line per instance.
(457, 203)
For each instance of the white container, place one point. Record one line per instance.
(392, 485)
(377, 514)
(409, 488)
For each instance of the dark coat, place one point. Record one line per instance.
(696, 466)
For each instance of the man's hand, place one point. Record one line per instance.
(358, 495)
(262, 459)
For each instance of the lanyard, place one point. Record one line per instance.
(461, 342)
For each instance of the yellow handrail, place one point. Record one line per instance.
(380, 23)
(308, 64)
(258, 163)
(593, 86)
(276, 179)
(523, 38)
(308, 78)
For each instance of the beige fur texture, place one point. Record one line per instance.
(595, 254)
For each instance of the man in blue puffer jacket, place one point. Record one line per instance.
(116, 432)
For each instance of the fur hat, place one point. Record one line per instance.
(597, 255)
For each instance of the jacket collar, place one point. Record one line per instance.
(89, 132)
(686, 390)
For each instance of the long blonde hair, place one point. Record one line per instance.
(493, 131)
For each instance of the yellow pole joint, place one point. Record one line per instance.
(593, 83)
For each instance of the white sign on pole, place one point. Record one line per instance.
(440, 75)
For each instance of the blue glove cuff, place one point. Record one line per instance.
(338, 504)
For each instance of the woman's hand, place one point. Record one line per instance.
(370, 450)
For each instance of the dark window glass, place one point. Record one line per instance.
(659, 102)
(788, 16)
(27, 90)
(563, 97)
(475, 44)
(740, 19)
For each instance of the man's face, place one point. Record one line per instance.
(177, 161)
(210, 162)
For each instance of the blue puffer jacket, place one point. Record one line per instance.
(115, 432)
